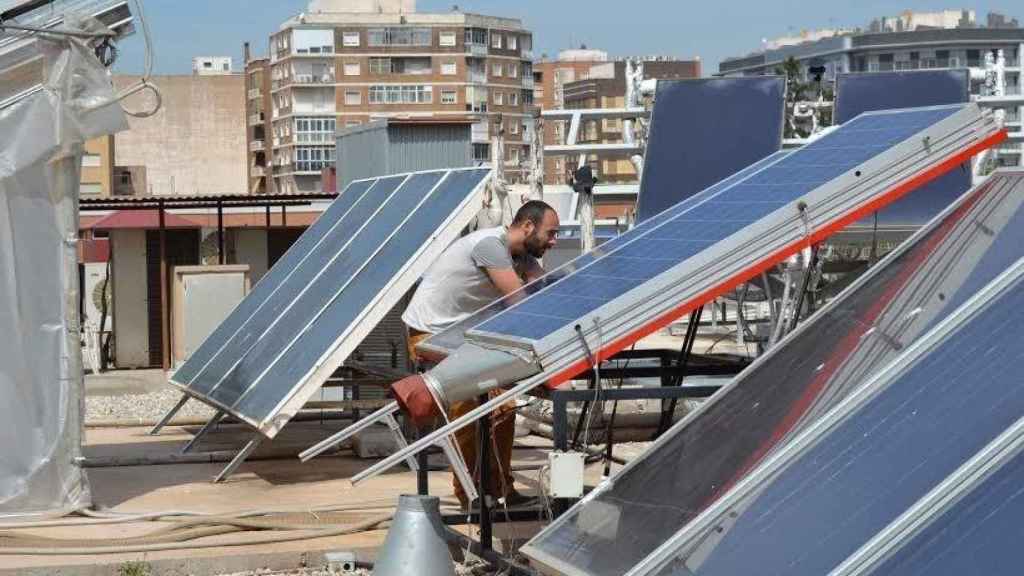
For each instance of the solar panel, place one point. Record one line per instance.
(861, 92)
(979, 534)
(817, 500)
(440, 345)
(800, 379)
(327, 293)
(696, 246)
(705, 130)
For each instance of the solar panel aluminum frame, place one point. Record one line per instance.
(750, 251)
(692, 535)
(347, 341)
(937, 502)
(554, 565)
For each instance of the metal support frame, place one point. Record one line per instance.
(203, 431)
(681, 363)
(239, 458)
(170, 414)
(483, 463)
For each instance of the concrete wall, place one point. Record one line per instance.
(131, 322)
(196, 143)
(251, 249)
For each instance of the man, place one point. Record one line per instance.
(476, 270)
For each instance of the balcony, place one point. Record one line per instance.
(256, 118)
(314, 79)
(477, 49)
(528, 82)
(526, 54)
(477, 77)
(257, 171)
(314, 138)
(256, 145)
(254, 94)
(311, 167)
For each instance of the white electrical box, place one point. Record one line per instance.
(566, 474)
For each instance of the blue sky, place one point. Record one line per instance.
(710, 29)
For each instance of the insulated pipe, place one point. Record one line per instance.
(465, 374)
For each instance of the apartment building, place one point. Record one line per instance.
(330, 68)
(915, 46)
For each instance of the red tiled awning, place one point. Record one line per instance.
(141, 220)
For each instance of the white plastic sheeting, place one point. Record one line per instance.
(41, 137)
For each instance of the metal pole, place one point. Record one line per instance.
(684, 359)
(202, 431)
(239, 459)
(170, 414)
(284, 216)
(483, 460)
(422, 478)
(268, 216)
(804, 287)
(560, 425)
(220, 232)
(165, 330)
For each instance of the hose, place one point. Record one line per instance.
(306, 535)
(100, 517)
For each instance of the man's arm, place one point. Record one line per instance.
(505, 280)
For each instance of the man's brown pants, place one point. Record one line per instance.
(503, 428)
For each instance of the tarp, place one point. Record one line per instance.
(40, 359)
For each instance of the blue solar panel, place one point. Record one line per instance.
(705, 130)
(981, 534)
(271, 282)
(922, 426)
(322, 286)
(796, 382)
(696, 225)
(863, 92)
(453, 337)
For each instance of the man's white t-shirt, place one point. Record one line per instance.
(458, 285)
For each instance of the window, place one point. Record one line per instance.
(352, 69)
(353, 98)
(314, 130)
(313, 158)
(448, 68)
(482, 152)
(513, 42)
(401, 94)
(513, 127)
(499, 98)
(496, 69)
(380, 65)
(513, 99)
(476, 36)
(448, 97)
(513, 70)
(513, 156)
(126, 178)
(207, 64)
(447, 39)
(225, 67)
(91, 161)
(399, 37)
(495, 40)
(350, 39)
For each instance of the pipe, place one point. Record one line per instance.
(467, 373)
